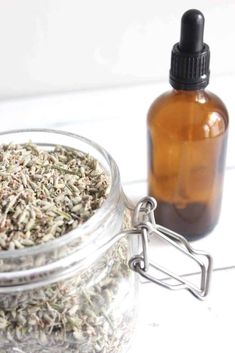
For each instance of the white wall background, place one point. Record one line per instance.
(51, 46)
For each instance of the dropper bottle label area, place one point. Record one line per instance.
(190, 57)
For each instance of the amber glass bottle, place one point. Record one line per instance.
(187, 133)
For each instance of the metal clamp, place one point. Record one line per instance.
(145, 225)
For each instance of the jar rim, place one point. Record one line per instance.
(99, 215)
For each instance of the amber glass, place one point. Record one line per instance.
(187, 135)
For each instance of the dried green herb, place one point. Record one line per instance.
(45, 194)
(91, 312)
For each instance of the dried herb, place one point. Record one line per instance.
(45, 194)
(91, 312)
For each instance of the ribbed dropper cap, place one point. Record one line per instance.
(190, 57)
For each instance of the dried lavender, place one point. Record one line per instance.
(45, 194)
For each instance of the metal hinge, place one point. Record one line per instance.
(144, 224)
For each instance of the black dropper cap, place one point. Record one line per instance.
(190, 57)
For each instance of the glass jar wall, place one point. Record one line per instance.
(74, 294)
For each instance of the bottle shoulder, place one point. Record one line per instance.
(160, 101)
(217, 104)
(177, 110)
(186, 98)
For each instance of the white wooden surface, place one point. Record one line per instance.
(116, 118)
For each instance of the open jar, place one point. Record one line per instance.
(78, 293)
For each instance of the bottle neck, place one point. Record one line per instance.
(189, 92)
(199, 95)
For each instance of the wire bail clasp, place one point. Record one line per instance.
(145, 225)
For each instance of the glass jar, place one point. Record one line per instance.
(77, 293)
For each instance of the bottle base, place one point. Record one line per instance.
(194, 221)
